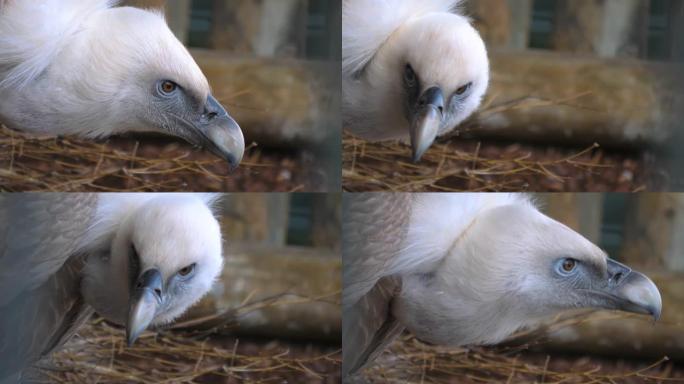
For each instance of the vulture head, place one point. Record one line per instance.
(428, 76)
(513, 267)
(95, 70)
(162, 258)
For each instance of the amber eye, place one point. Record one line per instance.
(187, 270)
(463, 89)
(168, 86)
(568, 265)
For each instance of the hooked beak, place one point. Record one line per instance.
(143, 303)
(630, 291)
(426, 121)
(217, 131)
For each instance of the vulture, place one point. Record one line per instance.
(138, 260)
(467, 269)
(88, 68)
(411, 69)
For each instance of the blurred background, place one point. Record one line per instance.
(273, 316)
(610, 72)
(566, 75)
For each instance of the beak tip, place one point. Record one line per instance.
(417, 155)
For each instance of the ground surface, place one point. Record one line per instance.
(98, 354)
(410, 361)
(30, 163)
(471, 165)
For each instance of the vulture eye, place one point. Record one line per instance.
(568, 265)
(185, 271)
(463, 89)
(410, 76)
(167, 87)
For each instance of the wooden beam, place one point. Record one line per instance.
(653, 231)
(558, 98)
(492, 18)
(309, 278)
(277, 102)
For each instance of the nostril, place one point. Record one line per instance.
(211, 115)
(158, 292)
(617, 277)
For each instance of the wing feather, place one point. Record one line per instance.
(40, 231)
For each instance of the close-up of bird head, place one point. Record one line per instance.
(161, 259)
(513, 267)
(94, 70)
(426, 76)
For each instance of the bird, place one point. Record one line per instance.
(467, 269)
(91, 69)
(412, 70)
(137, 259)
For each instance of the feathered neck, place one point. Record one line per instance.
(438, 220)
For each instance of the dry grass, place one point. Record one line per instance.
(98, 354)
(465, 165)
(453, 164)
(518, 360)
(45, 163)
(410, 361)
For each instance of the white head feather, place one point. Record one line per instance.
(90, 69)
(169, 232)
(380, 38)
(99, 60)
(476, 267)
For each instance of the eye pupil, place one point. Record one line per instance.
(568, 265)
(464, 88)
(168, 86)
(186, 270)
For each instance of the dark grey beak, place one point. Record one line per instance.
(143, 303)
(630, 291)
(426, 121)
(218, 132)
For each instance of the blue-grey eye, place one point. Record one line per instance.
(187, 270)
(567, 265)
(167, 87)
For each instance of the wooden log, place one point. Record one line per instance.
(256, 218)
(653, 231)
(266, 28)
(624, 31)
(607, 28)
(277, 102)
(577, 25)
(492, 18)
(311, 278)
(521, 18)
(617, 334)
(556, 98)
